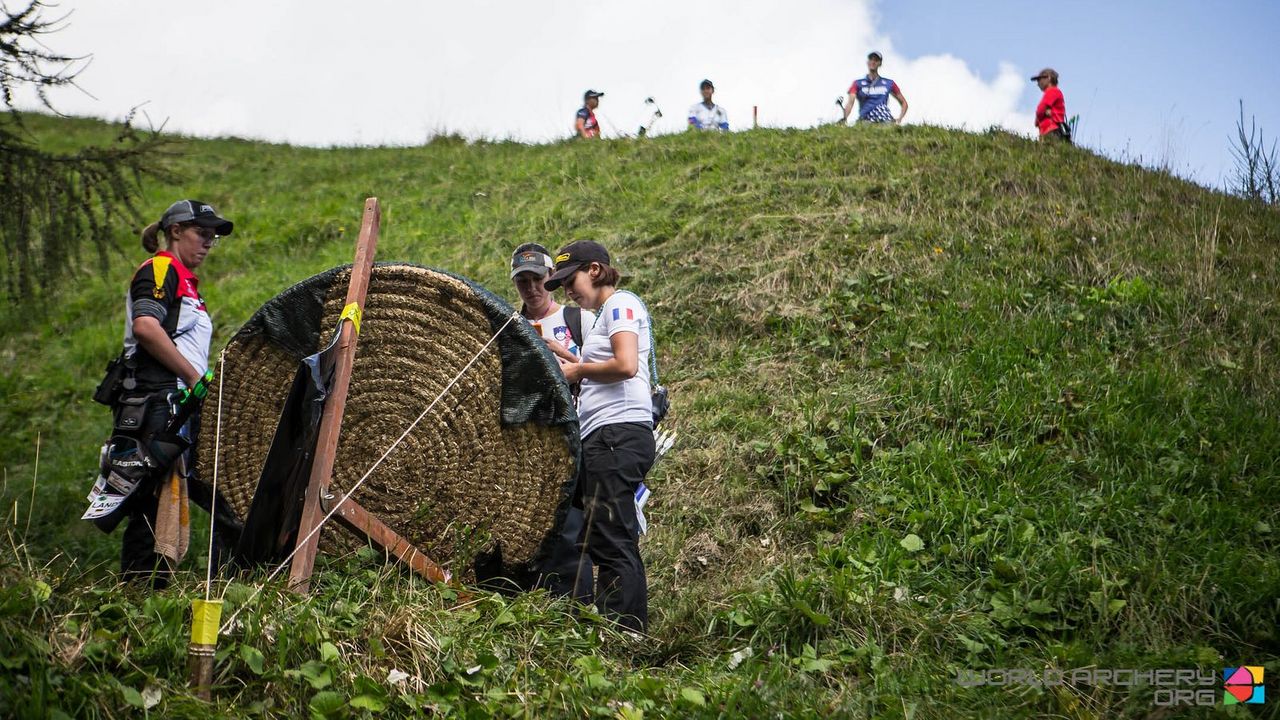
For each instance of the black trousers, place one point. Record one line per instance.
(138, 559)
(615, 459)
(560, 572)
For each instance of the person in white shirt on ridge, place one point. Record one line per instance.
(707, 115)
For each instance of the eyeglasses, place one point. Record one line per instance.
(207, 236)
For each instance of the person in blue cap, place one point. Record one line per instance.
(872, 93)
(707, 115)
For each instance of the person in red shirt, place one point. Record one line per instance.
(1052, 110)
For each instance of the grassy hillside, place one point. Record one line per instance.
(945, 402)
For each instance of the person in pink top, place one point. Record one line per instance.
(1052, 110)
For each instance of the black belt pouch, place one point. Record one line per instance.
(130, 415)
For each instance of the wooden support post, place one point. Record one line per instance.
(335, 404)
(200, 670)
(362, 522)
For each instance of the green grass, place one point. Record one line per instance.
(946, 401)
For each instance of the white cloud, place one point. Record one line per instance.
(951, 94)
(387, 71)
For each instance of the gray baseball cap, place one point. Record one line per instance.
(1047, 73)
(530, 257)
(194, 211)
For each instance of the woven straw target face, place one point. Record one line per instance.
(495, 456)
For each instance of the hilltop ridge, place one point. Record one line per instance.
(946, 401)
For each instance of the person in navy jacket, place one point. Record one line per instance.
(872, 93)
(584, 123)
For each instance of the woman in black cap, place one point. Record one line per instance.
(615, 412)
(167, 334)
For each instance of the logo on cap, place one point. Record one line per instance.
(562, 257)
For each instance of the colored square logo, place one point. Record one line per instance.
(1244, 685)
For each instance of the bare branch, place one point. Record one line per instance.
(25, 61)
(54, 206)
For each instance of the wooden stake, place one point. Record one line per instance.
(755, 116)
(335, 404)
(362, 522)
(200, 667)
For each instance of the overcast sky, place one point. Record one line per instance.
(326, 72)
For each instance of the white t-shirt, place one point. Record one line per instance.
(626, 401)
(708, 118)
(554, 327)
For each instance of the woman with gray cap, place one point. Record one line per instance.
(615, 413)
(167, 334)
(561, 328)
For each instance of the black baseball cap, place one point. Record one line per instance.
(572, 257)
(706, 84)
(875, 54)
(530, 257)
(591, 93)
(199, 213)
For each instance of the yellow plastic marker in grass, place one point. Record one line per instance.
(206, 615)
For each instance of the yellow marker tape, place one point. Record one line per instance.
(351, 312)
(205, 616)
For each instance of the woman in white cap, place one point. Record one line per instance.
(166, 350)
(615, 412)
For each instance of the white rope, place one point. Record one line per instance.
(297, 546)
(213, 503)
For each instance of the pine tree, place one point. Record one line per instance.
(55, 206)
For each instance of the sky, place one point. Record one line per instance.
(1151, 81)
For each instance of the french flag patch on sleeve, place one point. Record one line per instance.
(617, 314)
